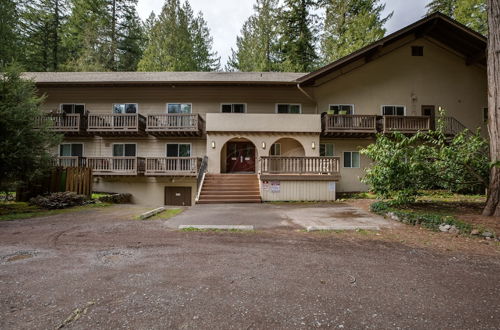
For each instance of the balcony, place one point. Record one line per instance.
(70, 161)
(406, 124)
(116, 165)
(62, 122)
(265, 122)
(175, 124)
(326, 168)
(174, 166)
(348, 125)
(117, 124)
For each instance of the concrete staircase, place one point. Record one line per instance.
(230, 188)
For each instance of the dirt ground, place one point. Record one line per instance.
(101, 269)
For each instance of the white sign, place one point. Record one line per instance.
(331, 186)
(275, 186)
(265, 185)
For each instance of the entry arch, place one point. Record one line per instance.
(238, 155)
(288, 147)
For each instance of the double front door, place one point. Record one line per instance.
(240, 157)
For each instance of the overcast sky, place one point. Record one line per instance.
(225, 17)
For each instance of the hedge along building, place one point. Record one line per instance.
(181, 137)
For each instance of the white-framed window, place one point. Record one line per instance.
(179, 107)
(233, 108)
(485, 115)
(341, 109)
(71, 150)
(125, 108)
(73, 108)
(351, 159)
(178, 150)
(275, 149)
(326, 150)
(393, 110)
(124, 149)
(288, 108)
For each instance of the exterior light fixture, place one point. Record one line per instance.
(313, 145)
(263, 145)
(213, 144)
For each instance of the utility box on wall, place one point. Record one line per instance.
(288, 190)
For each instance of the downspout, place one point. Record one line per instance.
(309, 97)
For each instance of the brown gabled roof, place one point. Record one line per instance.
(437, 26)
(153, 78)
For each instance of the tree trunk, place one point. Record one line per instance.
(493, 202)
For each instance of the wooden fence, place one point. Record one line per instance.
(75, 179)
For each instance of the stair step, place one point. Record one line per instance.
(230, 188)
(226, 197)
(230, 192)
(228, 201)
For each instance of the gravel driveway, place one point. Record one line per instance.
(99, 269)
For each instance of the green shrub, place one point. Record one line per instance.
(125, 198)
(59, 200)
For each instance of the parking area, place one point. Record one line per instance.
(331, 216)
(102, 269)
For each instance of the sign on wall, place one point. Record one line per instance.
(331, 186)
(275, 186)
(265, 185)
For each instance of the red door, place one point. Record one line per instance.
(240, 157)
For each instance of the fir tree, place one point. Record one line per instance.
(257, 46)
(9, 31)
(350, 25)
(179, 42)
(298, 36)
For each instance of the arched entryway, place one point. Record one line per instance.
(287, 147)
(238, 155)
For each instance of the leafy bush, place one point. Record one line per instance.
(404, 165)
(59, 200)
(116, 198)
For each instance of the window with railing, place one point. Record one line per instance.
(233, 108)
(124, 150)
(71, 150)
(125, 108)
(178, 150)
(326, 150)
(73, 108)
(288, 108)
(179, 108)
(275, 149)
(341, 109)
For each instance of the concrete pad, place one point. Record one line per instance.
(223, 227)
(337, 217)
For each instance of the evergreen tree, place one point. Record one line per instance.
(179, 42)
(257, 46)
(298, 36)
(43, 22)
(9, 31)
(471, 13)
(131, 41)
(350, 25)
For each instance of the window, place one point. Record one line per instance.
(125, 108)
(351, 159)
(341, 109)
(124, 150)
(233, 107)
(326, 149)
(417, 51)
(393, 110)
(275, 149)
(485, 115)
(73, 108)
(288, 108)
(178, 150)
(71, 150)
(178, 108)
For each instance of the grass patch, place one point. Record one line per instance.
(359, 195)
(20, 210)
(190, 229)
(167, 214)
(99, 195)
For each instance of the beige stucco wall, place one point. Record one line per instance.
(153, 99)
(148, 191)
(247, 122)
(439, 78)
(299, 191)
(350, 177)
(220, 139)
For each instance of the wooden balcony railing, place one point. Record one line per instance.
(350, 123)
(71, 122)
(173, 166)
(116, 122)
(300, 165)
(406, 124)
(70, 161)
(116, 165)
(174, 123)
